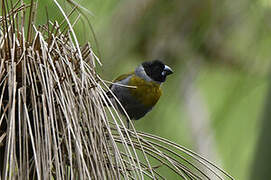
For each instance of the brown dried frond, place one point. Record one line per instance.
(53, 123)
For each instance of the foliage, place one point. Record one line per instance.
(53, 122)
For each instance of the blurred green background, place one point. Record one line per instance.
(216, 102)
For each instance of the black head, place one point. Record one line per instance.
(157, 70)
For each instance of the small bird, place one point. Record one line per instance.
(146, 91)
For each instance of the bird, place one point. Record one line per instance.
(139, 91)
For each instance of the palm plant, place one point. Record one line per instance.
(53, 122)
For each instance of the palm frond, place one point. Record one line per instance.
(53, 122)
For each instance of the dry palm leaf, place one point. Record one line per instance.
(53, 123)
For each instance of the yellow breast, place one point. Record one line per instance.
(148, 93)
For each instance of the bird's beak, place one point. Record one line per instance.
(167, 70)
